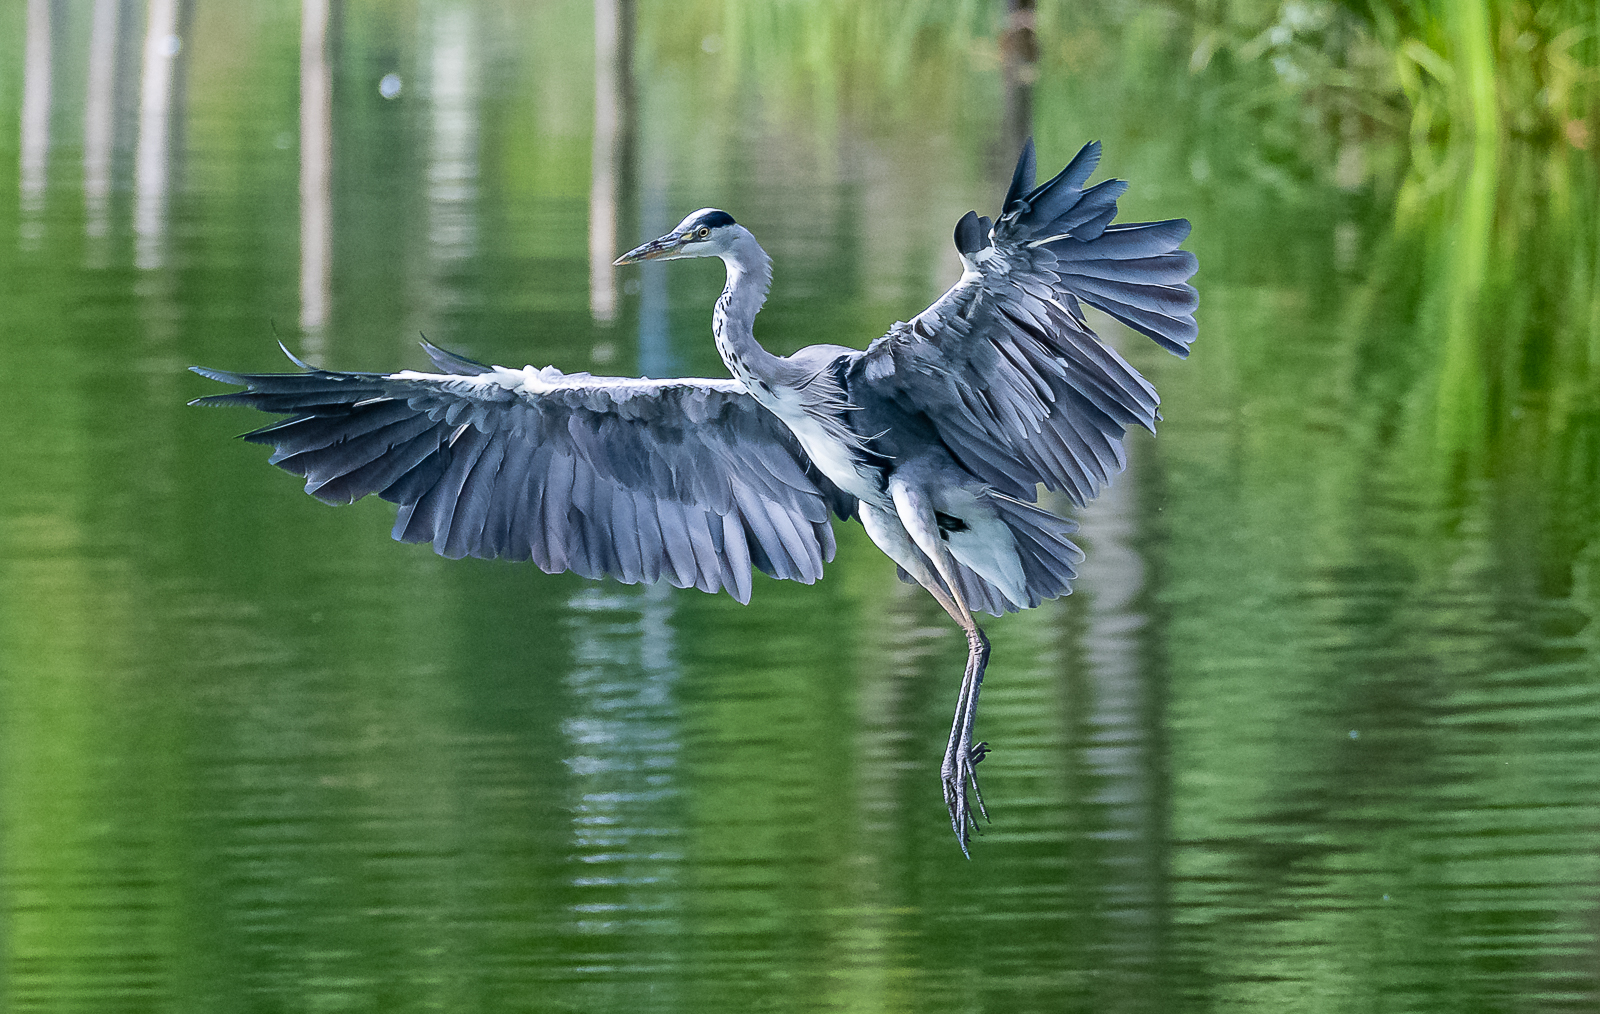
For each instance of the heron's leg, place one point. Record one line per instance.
(962, 745)
(892, 538)
(961, 757)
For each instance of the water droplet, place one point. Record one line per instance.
(390, 86)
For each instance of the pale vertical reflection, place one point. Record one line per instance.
(1122, 749)
(35, 119)
(100, 117)
(152, 168)
(624, 741)
(657, 358)
(316, 171)
(906, 641)
(603, 165)
(452, 155)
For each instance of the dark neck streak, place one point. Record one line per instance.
(733, 321)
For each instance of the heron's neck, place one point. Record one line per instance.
(733, 321)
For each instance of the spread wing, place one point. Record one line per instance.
(687, 480)
(1005, 367)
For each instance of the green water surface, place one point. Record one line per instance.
(1319, 731)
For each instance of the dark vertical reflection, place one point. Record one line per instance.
(316, 170)
(35, 159)
(1019, 48)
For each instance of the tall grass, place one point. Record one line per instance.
(1449, 68)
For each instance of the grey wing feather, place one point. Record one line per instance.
(687, 480)
(1005, 368)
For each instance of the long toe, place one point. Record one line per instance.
(970, 779)
(977, 796)
(960, 821)
(958, 775)
(954, 776)
(955, 801)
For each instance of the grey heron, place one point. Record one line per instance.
(936, 437)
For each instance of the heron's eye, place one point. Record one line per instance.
(702, 232)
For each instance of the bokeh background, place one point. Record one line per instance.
(1319, 731)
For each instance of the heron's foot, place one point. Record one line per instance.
(956, 801)
(961, 793)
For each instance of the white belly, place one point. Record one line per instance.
(830, 454)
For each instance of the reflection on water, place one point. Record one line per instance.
(624, 740)
(1122, 747)
(452, 142)
(99, 116)
(160, 129)
(613, 113)
(37, 69)
(1319, 730)
(316, 169)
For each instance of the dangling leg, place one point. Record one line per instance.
(961, 756)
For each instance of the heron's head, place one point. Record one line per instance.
(706, 233)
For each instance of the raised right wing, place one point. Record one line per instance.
(687, 480)
(1005, 368)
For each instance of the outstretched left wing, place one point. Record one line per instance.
(688, 480)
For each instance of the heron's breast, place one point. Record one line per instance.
(835, 456)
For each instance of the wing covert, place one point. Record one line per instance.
(687, 480)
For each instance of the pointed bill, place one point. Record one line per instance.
(668, 244)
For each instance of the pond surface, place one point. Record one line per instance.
(1319, 730)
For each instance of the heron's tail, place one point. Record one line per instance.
(1049, 559)
(1134, 271)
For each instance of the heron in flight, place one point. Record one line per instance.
(936, 437)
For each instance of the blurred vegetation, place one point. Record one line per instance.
(1442, 70)
(1475, 325)
(864, 61)
(1441, 154)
